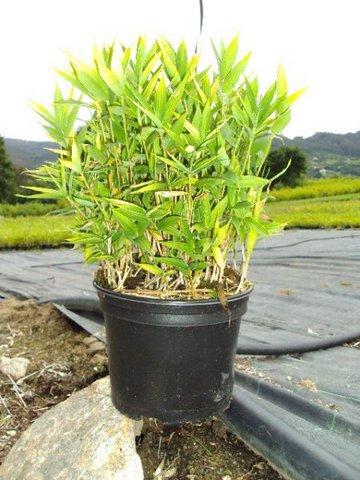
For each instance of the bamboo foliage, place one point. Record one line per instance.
(166, 173)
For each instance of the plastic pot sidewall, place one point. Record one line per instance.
(171, 359)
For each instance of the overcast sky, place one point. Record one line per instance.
(317, 41)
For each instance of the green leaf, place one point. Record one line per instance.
(228, 56)
(281, 122)
(141, 103)
(140, 55)
(71, 165)
(143, 243)
(89, 78)
(241, 205)
(44, 113)
(172, 193)
(131, 210)
(101, 190)
(71, 78)
(146, 132)
(198, 266)
(170, 224)
(173, 262)
(204, 164)
(151, 268)
(181, 246)
(155, 119)
(57, 151)
(206, 120)
(161, 210)
(262, 227)
(240, 114)
(112, 80)
(168, 62)
(266, 107)
(281, 83)
(178, 140)
(295, 96)
(218, 210)
(262, 144)
(233, 75)
(96, 153)
(45, 193)
(152, 62)
(75, 157)
(181, 60)
(192, 130)
(218, 256)
(250, 181)
(223, 157)
(160, 100)
(284, 102)
(175, 163)
(151, 85)
(174, 101)
(149, 187)
(129, 227)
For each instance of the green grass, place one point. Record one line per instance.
(325, 187)
(29, 232)
(27, 209)
(323, 203)
(332, 212)
(334, 198)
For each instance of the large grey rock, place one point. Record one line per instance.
(84, 437)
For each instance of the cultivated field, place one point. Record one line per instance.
(34, 231)
(339, 211)
(324, 187)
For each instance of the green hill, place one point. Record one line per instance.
(330, 153)
(28, 153)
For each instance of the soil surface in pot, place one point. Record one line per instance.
(63, 359)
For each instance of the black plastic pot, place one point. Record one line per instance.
(171, 359)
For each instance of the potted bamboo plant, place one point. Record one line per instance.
(164, 165)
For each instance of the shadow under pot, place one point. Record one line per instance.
(171, 359)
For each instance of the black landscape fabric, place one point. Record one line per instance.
(307, 286)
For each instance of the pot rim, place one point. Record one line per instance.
(138, 299)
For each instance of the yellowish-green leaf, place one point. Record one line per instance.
(151, 268)
(218, 256)
(281, 84)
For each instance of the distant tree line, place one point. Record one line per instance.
(7, 176)
(12, 178)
